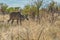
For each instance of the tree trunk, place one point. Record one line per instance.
(38, 16)
(52, 17)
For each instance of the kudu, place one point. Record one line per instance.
(17, 16)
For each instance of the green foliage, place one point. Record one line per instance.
(26, 9)
(38, 3)
(53, 6)
(17, 8)
(33, 8)
(3, 7)
(10, 9)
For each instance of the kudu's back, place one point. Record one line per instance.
(15, 15)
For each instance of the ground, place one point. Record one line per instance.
(29, 30)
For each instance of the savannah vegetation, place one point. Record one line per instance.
(43, 23)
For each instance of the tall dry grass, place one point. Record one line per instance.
(29, 30)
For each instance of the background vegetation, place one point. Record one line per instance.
(43, 24)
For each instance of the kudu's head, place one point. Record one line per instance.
(23, 17)
(26, 17)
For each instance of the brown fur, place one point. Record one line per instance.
(17, 16)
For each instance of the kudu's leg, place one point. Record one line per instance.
(9, 20)
(12, 21)
(17, 21)
(20, 22)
